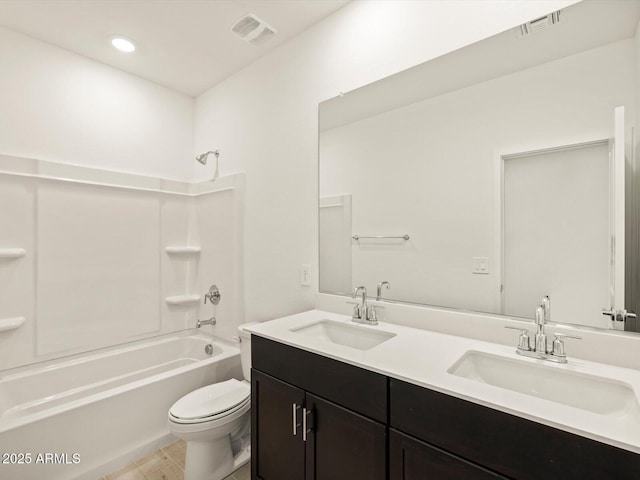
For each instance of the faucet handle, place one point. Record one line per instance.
(523, 340)
(372, 315)
(213, 295)
(558, 344)
(356, 311)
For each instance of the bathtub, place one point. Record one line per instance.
(88, 415)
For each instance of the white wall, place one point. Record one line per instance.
(264, 120)
(66, 108)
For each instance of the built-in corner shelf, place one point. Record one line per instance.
(12, 252)
(10, 323)
(182, 300)
(180, 250)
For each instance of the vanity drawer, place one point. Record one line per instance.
(354, 388)
(515, 447)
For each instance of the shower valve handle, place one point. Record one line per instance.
(213, 295)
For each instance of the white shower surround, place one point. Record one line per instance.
(109, 257)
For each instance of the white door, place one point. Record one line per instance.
(556, 233)
(335, 244)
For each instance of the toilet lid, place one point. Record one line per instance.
(211, 400)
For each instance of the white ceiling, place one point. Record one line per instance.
(186, 45)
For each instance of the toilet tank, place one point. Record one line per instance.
(245, 349)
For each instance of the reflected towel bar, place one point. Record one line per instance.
(404, 237)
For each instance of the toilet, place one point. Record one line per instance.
(215, 422)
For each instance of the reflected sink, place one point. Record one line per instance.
(353, 336)
(594, 394)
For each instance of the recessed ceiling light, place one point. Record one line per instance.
(123, 44)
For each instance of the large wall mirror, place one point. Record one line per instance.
(495, 175)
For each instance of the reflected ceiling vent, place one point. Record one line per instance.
(253, 29)
(538, 24)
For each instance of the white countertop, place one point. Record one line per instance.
(423, 357)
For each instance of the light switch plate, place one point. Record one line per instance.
(480, 265)
(305, 274)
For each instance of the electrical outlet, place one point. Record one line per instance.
(305, 274)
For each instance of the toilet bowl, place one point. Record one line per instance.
(215, 422)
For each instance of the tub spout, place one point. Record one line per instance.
(211, 321)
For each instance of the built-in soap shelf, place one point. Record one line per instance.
(10, 323)
(182, 250)
(183, 299)
(12, 252)
(190, 253)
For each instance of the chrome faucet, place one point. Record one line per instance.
(541, 337)
(380, 285)
(363, 313)
(211, 321)
(360, 310)
(540, 351)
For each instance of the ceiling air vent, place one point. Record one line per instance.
(538, 24)
(253, 29)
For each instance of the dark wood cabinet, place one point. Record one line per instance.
(306, 431)
(503, 443)
(411, 459)
(365, 426)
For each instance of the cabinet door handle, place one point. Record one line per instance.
(305, 430)
(295, 409)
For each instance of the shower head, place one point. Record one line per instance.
(202, 158)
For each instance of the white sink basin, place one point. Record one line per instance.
(354, 336)
(591, 393)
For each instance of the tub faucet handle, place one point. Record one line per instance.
(213, 295)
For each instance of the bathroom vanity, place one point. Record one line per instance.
(327, 404)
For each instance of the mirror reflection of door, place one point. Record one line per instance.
(555, 233)
(335, 244)
(632, 241)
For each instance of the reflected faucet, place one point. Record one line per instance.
(380, 285)
(546, 306)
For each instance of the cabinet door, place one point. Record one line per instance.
(276, 454)
(410, 459)
(343, 445)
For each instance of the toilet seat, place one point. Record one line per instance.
(211, 402)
